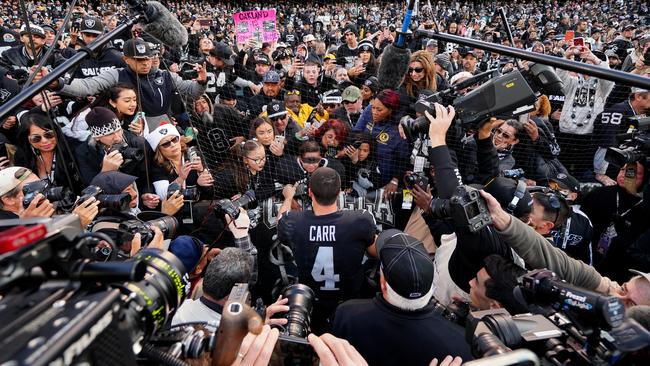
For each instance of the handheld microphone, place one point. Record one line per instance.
(161, 24)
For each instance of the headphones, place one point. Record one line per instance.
(519, 194)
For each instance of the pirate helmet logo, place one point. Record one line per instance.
(4, 94)
(158, 80)
(561, 176)
(163, 131)
(276, 108)
(90, 23)
(141, 48)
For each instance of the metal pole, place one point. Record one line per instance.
(562, 63)
(55, 74)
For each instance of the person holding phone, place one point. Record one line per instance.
(170, 165)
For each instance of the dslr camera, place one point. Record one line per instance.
(167, 224)
(189, 193)
(231, 208)
(128, 153)
(466, 208)
(114, 202)
(633, 147)
(419, 179)
(63, 196)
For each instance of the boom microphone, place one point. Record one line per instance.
(160, 23)
(395, 58)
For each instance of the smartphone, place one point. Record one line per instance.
(279, 139)
(205, 22)
(295, 351)
(579, 42)
(569, 35)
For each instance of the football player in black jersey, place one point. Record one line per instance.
(328, 244)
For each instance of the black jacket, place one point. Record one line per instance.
(17, 58)
(108, 58)
(90, 156)
(386, 335)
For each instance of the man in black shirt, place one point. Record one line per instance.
(328, 244)
(399, 326)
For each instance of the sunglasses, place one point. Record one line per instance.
(311, 160)
(416, 70)
(293, 92)
(345, 102)
(35, 139)
(506, 135)
(169, 143)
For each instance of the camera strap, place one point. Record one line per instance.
(519, 194)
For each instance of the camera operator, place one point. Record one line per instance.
(12, 181)
(537, 252)
(95, 155)
(229, 267)
(618, 218)
(403, 307)
(461, 255)
(328, 244)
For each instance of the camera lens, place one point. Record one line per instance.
(167, 224)
(162, 290)
(440, 208)
(300, 305)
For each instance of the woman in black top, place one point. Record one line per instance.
(40, 149)
(170, 165)
(247, 170)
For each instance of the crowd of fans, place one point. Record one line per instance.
(166, 131)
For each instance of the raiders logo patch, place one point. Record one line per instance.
(276, 108)
(163, 131)
(4, 95)
(561, 176)
(159, 80)
(8, 38)
(90, 23)
(141, 48)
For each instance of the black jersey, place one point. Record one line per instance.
(329, 250)
(613, 121)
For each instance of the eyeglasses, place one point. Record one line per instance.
(169, 143)
(501, 132)
(257, 161)
(311, 160)
(35, 139)
(416, 70)
(293, 92)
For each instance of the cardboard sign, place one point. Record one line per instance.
(256, 24)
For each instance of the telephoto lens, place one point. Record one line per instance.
(301, 299)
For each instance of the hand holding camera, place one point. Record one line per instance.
(172, 204)
(439, 124)
(38, 207)
(150, 200)
(112, 161)
(239, 225)
(87, 211)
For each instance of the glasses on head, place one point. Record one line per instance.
(48, 135)
(257, 161)
(293, 92)
(416, 70)
(503, 133)
(169, 143)
(311, 160)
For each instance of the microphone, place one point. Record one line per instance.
(160, 23)
(395, 58)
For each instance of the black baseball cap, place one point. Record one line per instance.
(566, 181)
(137, 48)
(224, 52)
(91, 25)
(405, 264)
(262, 59)
(275, 109)
(112, 182)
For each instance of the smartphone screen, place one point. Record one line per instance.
(578, 42)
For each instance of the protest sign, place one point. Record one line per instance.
(256, 24)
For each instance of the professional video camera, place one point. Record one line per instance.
(466, 208)
(128, 153)
(507, 95)
(189, 193)
(231, 208)
(634, 146)
(115, 202)
(167, 224)
(456, 312)
(58, 307)
(569, 325)
(61, 196)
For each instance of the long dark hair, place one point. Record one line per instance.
(238, 165)
(30, 154)
(113, 93)
(257, 122)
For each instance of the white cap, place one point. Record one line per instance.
(11, 177)
(160, 133)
